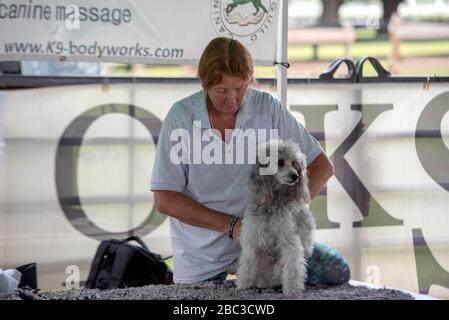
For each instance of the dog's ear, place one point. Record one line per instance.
(261, 187)
(301, 189)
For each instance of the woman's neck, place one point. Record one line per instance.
(221, 118)
(224, 123)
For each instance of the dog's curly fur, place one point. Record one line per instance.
(277, 230)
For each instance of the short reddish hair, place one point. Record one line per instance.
(224, 56)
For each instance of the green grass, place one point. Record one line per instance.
(378, 49)
(365, 34)
(265, 72)
(433, 48)
(165, 71)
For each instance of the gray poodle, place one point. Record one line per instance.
(277, 230)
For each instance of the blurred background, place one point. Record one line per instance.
(321, 30)
(409, 37)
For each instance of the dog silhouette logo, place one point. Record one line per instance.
(246, 20)
(253, 18)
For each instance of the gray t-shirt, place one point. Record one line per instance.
(201, 253)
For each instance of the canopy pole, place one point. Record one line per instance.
(281, 54)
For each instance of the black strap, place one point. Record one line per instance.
(138, 240)
(382, 73)
(335, 65)
(285, 64)
(231, 227)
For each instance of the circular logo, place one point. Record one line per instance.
(246, 20)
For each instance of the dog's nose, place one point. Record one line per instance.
(294, 176)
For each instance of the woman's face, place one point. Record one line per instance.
(227, 96)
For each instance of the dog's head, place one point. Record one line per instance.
(288, 176)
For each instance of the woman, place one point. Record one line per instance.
(202, 197)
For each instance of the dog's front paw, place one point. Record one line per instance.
(293, 287)
(244, 285)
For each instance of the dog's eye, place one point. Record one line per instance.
(294, 164)
(281, 163)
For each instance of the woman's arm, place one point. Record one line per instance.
(189, 211)
(319, 171)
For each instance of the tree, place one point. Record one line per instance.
(389, 7)
(329, 18)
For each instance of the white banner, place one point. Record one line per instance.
(134, 31)
(76, 171)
